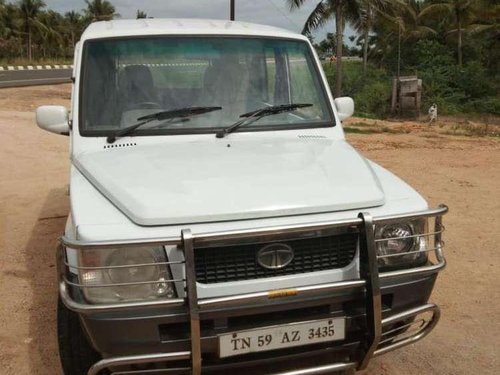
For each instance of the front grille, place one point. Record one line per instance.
(239, 262)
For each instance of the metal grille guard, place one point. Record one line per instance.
(377, 341)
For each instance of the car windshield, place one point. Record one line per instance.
(126, 79)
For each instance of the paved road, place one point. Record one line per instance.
(18, 78)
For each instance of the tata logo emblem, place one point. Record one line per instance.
(275, 256)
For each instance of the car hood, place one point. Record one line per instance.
(218, 180)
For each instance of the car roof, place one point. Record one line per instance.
(177, 26)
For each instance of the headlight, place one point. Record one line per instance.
(399, 246)
(125, 274)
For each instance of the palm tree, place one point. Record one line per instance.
(402, 22)
(6, 20)
(462, 11)
(50, 33)
(343, 11)
(408, 18)
(3, 10)
(100, 10)
(321, 14)
(141, 14)
(363, 23)
(29, 10)
(74, 22)
(488, 11)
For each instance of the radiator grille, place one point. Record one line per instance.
(234, 263)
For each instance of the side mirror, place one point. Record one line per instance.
(345, 107)
(53, 118)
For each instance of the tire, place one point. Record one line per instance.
(76, 353)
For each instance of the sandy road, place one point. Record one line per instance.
(463, 172)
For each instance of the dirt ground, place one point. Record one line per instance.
(460, 171)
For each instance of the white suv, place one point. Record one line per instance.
(219, 219)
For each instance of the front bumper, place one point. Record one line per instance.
(383, 312)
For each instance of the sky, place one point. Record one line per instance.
(269, 12)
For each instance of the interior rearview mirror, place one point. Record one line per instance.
(53, 118)
(345, 107)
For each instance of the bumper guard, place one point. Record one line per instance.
(380, 338)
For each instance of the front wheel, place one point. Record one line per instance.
(76, 354)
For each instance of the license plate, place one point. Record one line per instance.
(283, 336)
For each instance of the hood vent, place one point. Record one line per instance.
(120, 145)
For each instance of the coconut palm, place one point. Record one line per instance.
(324, 11)
(100, 10)
(50, 33)
(402, 22)
(462, 11)
(3, 11)
(343, 11)
(9, 20)
(489, 12)
(29, 10)
(73, 21)
(367, 10)
(408, 18)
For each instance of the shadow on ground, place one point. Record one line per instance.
(41, 260)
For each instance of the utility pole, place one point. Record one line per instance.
(399, 49)
(232, 10)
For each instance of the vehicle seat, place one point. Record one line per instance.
(226, 84)
(137, 86)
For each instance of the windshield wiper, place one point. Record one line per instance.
(256, 115)
(163, 115)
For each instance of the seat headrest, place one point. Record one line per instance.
(137, 76)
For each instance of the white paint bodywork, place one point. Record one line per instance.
(53, 118)
(345, 107)
(256, 175)
(155, 186)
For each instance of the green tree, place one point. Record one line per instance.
(324, 11)
(408, 18)
(49, 34)
(3, 10)
(398, 28)
(363, 22)
(488, 13)
(343, 11)
(141, 14)
(100, 10)
(463, 13)
(29, 10)
(8, 17)
(74, 25)
(327, 44)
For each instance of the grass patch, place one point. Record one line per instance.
(359, 123)
(351, 130)
(362, 127)
(472, 130)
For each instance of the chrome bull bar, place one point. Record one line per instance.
(369, 281)
(415, 336)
